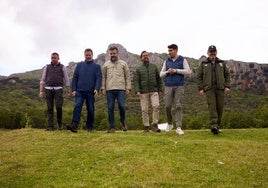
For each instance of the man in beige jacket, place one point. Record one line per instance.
(116, 84)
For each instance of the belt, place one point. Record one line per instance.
(53, 88)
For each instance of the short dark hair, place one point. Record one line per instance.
(55, 53)
(88, 50)
(113, 48)
(173, 46)
(144, 51)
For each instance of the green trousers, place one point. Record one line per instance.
(215, 100)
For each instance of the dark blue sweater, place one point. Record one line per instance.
(87, 77)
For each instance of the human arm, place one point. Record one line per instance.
(227, 78)
(98, 80)
(137, 82)
(42, 83)
(159, 81)
(127, 79)
(75, 80)
(163, 72)
(104, 73)
(186, 68)
(67, 81)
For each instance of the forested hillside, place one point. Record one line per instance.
(246, 104)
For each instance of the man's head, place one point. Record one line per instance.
(55, 58)
(173, 50)
(88, 54)
(113, 51)
(212, 52)
(144, 57)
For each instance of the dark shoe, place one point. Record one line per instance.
(155, 128)
(111, 130)
(146, 129)
(49, 129)
(90, 130)
(60, 128)
(124, 127)
(71, 128)
(214, 129)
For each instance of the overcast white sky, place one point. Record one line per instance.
(30, 30)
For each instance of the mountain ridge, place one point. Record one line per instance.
(244, 75)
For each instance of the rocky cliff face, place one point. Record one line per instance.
(133, 60)
(244, 76)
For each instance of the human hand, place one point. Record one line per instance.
(103, 92)
(96, 93)
(127, 91)
(74, 93)
(67, 95)
(226, 90)
(138, 94)
(201, 92)
(41, 95)
(171, 71)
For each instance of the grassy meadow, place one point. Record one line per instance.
(36, 158)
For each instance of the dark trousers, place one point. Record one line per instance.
(51, 97)
(79, 100)
(215, 100)
(112, 95)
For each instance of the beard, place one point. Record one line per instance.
(146, 61)
(114, 59)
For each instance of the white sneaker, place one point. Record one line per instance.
(179, 131)
(169, 127)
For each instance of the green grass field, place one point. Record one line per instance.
(36, 158)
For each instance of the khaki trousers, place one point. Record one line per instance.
(145, 99)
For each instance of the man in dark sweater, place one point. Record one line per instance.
(86, 84)
(51, 88)
(148, 86)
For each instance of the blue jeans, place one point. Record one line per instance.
(79, 100)
(120, 95)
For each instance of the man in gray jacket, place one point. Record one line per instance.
(116, 84)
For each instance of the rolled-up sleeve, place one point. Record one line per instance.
(66, 77)
(43, 78)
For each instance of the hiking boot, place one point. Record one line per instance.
(169, 127)
(72, 128)
(49, 129)
(124, 126)
(111, 130)
(179, 131)
(155, 128)
(146, 129)
(214, 129)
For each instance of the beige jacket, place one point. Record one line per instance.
(116, 76)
